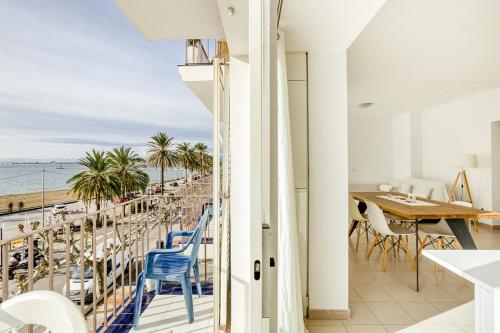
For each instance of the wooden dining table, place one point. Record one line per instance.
(454, 215)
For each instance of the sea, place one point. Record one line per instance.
(17, 178)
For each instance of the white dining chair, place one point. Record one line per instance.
(361, 221)
(54, 312)
(388, 235)
(439, 235)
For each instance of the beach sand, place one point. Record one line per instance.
(34, 200)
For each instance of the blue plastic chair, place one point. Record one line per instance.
(170, 265)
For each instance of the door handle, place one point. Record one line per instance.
(256, 270)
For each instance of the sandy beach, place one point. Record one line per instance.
(34, 200)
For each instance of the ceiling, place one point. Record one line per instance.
(174, 19)
(415, 55)
(236, 25)
(325, 24)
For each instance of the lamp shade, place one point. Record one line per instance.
(464, 160)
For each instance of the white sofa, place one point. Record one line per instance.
(439, 189)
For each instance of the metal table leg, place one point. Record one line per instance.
(462, 233)
(416, 249)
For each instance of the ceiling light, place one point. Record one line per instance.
(230, 11)
(366, 105)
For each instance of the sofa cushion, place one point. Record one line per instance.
(404, 188)
(385, 187)
(422, 191)
(439, 188)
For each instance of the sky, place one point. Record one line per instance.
(77, 75)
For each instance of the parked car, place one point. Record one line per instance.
(58, 209)
(88, 273)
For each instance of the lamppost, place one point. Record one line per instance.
(43, 194)
(1, 239)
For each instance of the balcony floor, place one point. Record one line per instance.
(167, 313)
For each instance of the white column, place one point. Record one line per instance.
(328, 153)
(241, 268)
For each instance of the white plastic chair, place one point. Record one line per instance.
(391, 235)
(45, 308)
(355, 216)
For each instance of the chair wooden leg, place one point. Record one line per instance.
(393, 242)
(367, 228)
(439, 247)
(423, 241)
(350, 227)
(375, 241)
(359, 236)
(386, 249)
(422, 245)
(399, 243)
(407, 251)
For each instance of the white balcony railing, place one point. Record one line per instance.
(95, 259)
(198, 51)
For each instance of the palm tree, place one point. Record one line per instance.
(186, 157)
(201, 153)
(98, 182)
(161, 154)
(125, 164)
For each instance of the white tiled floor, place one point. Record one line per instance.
(388, 302)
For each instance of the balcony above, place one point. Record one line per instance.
(199, 79)
(174, 19)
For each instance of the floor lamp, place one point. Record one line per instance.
(463, 161)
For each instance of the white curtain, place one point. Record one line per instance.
(290, 316)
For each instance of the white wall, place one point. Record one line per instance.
(463, 126)
(241, 271)
(370, 149)
(495, 165)
(401, 149)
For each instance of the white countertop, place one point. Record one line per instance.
(481, 267)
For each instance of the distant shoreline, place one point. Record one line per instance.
(33, 200)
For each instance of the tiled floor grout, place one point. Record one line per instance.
(447, 297)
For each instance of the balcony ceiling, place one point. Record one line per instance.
(174, 19)
(415, 55)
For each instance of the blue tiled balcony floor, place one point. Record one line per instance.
(166, 312)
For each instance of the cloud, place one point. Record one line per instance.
(23, 120)
(79, 73)
(76, 141)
